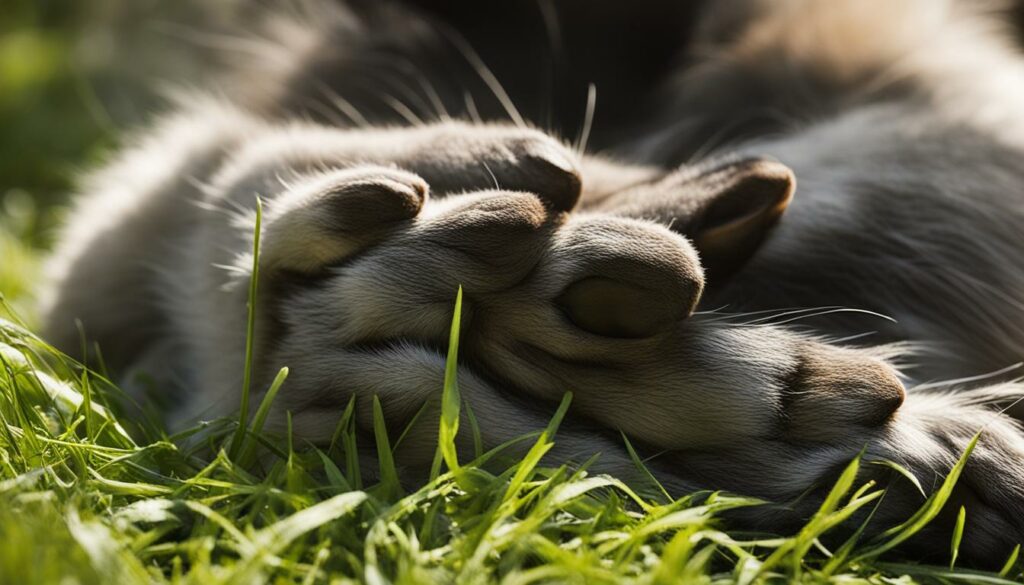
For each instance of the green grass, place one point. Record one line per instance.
(87, 496)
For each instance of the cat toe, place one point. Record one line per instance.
(488, 240)
(325, 218)
(365, 199)
(625, 278)
(836, 392)
(547, 169)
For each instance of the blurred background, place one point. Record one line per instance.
(75, 77)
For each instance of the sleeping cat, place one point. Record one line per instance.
(670, 274)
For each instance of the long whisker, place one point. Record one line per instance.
(434, 97)
(556, 63)
(718, 314)
(328, 111)
(969, 379)
(789, 312)
(486, 75)
(344, 106)
(395, 80)
(408, 69)
(474, 114)
(849, 338)
(834, 311)
(402, 110)
(588, 119)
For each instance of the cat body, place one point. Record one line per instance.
(665, 272)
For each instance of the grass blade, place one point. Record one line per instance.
(450, 398)
(958, 535)
(643, 469)
(1010, 562)
(390, 484)
(926, 513)
(250, 336)
(261, 416)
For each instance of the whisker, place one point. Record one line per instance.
(281, 181)
(553, 28)
(834, 311)
(325, 110)
(969, 379)
(850, 338)
(556, 63)
(720, 316)
(474, 114)
(394, 73)
(344, 106)
(1007, 408)
(486, 75)
(588, 119)
(491, 173)
(403, 110)
(785, 313)
(434, 97)
(200, 185)
(230, 268)
(206, 206)
(798, 314)
(775, 314)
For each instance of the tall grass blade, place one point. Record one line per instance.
(450, 397)
(250, 335)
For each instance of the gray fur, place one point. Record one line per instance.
(581, 271)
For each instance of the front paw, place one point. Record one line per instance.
(699, 382)
(332, 194)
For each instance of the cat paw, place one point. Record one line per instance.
(591, 303)
(335, 193)
(523, 268)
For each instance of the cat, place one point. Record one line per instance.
(668, 270)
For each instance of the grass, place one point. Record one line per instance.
(91, 496)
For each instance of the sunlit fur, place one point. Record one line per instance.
(901, 121)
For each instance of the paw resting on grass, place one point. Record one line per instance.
(597, 303)
(366, 236)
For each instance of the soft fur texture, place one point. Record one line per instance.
(900, 121)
